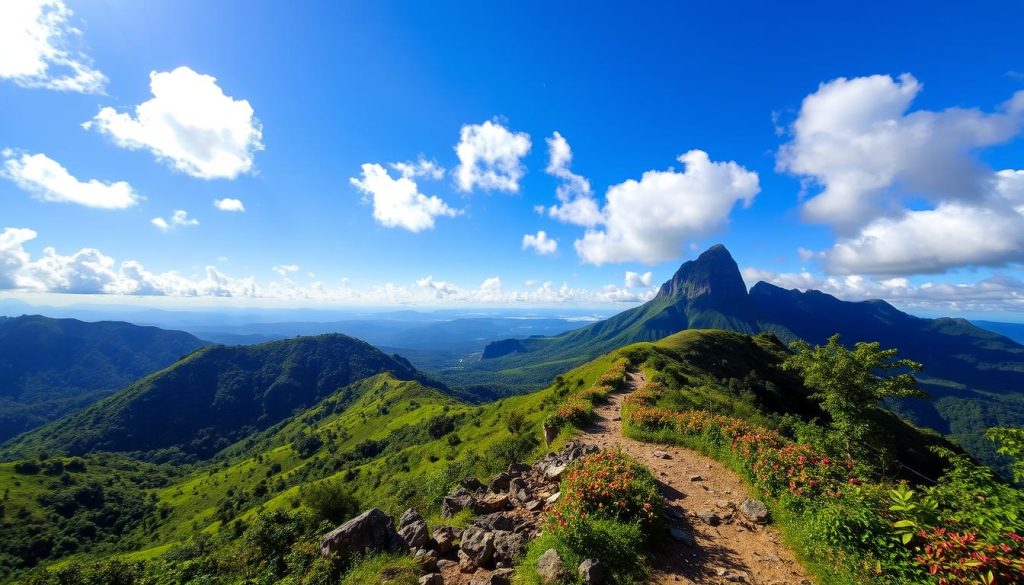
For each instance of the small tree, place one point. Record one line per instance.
(515, 421)
(849, 383)
(1011, 444)
(330, 500)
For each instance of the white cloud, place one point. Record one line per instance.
(229, 204)
(398, 202)
(540, 243)
(39, 48)
(178, 219)
(637, 280)
(905, 190)
(49, 181)
(650, 220)
(490, 157)
(190, 123)
(90, 271)
(419, 168)
(577, 205)
(995, 293)
(286, 269)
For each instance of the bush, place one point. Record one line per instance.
(608, 485)
(509, 450)
(308, 445)
(330, 501)
(620, 548)
(515, 421)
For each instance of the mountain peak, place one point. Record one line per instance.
(713, 273)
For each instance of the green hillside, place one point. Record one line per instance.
(380, 441)
(975, 377)
(50, 367)
(213, 398)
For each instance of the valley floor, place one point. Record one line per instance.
(735, 550)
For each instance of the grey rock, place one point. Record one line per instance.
(370, 531)
(478, 545)
(490, 503)
(500, 482)
(683, 536)
(592, 572)
(554, 472)
(754, 510)
(696, 477)
(553, 497)
(432, 579)
(660, 454)
(471, 483)
(496, 521)
(508, 546)
(453, 504)
(408, 517)
(445, 537)
(517, 469)
(709, 517)
(415, 534)
(550, 567)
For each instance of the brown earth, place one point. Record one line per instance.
(734, 551)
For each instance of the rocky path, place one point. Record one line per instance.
(703, 496)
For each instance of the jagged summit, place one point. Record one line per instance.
(714, 273)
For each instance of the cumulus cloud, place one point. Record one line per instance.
(178, 219)
(650, 220)
(189, 123)
(490, 157)
(995, 293)
(905, 190)
(637, 280)
(286, 269)
(90, 271)
(576, 202)
(540, 243)
(40, 48)
(398, 202)
(419, 168)
(229, 204)
(47, 180)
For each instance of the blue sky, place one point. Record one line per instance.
(898, 176)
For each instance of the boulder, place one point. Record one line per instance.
(517, 469)
(754, 510)
(490, 503)
(445, 537)
(492, 522)
(550, 568)
(453, 504)
(415, 534)
(592, 572)
(471, 483)
(517, 490)
(499, 483)
(478, 545)
(432, 579)
(508, 546)
(554, 472)
(370, 531)
(408, 517)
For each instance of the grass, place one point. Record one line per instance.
(383, 568)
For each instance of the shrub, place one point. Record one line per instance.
(330, 501)
(609, 485)
(308, 445)
(514, 449)
(515, 421)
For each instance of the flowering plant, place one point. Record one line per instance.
(611, 485)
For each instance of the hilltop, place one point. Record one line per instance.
(214, 397)
(50, 367)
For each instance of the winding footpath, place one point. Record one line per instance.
(727, 550)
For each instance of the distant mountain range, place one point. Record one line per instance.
(214, 397)
(49, 367)
(975, 376)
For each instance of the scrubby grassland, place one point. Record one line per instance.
(380, 442)
(849, 520)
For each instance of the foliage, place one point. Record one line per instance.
(330, 500)
(1011, 444)
(515, 421)
(851, 382)
(609, 485)
(383, 568)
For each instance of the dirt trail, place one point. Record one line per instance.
(734, 551)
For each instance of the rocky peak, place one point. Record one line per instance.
(713, 273)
